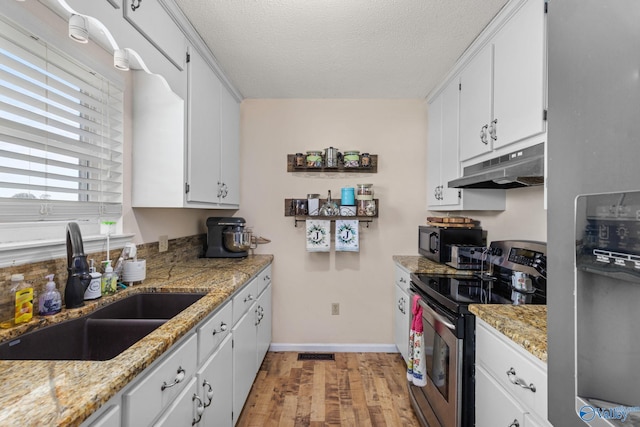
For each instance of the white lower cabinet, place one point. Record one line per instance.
(205, 378)
(158, 388)
(215, 382)
(511, 383)
(111, 417)
(402, 312)
(244, 360)
(183, 412)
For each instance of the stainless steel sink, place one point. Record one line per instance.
(103, 334)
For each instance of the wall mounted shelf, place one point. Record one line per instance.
(373, 168)
(299, 218)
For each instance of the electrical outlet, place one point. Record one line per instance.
(163, 243)
(335, 309)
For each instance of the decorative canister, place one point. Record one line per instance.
(366, 207)
(347, 196)
(365, 160)
(351, 159)
(313, 204)
(300, 160)
(314, 159)
(364, 192)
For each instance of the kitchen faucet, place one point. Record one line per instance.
(77, 267)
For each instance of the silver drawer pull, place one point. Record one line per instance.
(515, 423)
(267, 277)
(199, 409)
(511, 373)
(223, 327)
(178, 379)
(209, 393)
(248, 298)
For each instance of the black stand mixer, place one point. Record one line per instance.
(227, 237)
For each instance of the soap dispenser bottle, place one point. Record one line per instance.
(50, 301)
(109, 280)
(94, 290)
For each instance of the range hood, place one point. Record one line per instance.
(522, 168)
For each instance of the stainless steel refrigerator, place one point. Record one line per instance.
(593, 171)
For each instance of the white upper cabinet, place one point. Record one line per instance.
(475, 105)
(156, 25)
(502, 95)
(229, 150)
(443, 163)
(203, 131)
(519, 76)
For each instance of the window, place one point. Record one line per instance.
(60, 136)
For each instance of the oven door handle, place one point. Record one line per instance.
(434, 312)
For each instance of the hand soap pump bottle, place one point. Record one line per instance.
(94, 290)
(109, 280)
(50, 301)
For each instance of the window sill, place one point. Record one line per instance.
(20, 253)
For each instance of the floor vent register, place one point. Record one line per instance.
(316, 356)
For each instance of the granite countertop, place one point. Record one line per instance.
(526, 325)
(420, 264)
(65, 393)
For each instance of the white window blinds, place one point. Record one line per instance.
(60, 135)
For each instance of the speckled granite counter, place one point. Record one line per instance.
(65, 393)
(420, 264)
(526, 325)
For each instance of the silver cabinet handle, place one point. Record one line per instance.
(511, 373)
(483, 134)
(223, 327)
(248, 298)
(177, 380)
(135, 4)
(515, 423)
(400, 301)
(267, 277)
(403, 280)
(209, 393)
(199, 409)
(493, 129)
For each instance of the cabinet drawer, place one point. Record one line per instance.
(402, 278)
(494, 407)
(213, 331)
(499, 355)
(244, 299)
(147, 399)
(264, 278)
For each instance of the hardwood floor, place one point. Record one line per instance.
(355, 389)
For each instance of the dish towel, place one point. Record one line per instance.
(318, 235)
(416, 369)
(347, 235)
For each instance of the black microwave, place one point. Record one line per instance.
(435, 242)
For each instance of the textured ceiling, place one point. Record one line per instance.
(338, 48)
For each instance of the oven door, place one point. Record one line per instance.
(443, 359)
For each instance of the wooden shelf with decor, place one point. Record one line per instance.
(288, 211)
(372, 168)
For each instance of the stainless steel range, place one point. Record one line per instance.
(510, 272)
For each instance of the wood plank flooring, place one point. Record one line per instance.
(355, 389)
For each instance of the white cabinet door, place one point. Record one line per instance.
(205, 91)
(494, 407)
(434, 154)
(475, 105)
(244, 360)
(110, 418)
(402, 318)
(182, 412)
(450, 165)
(263, 325)
(229, 150)
(215, 382)
(157, 26)
(519, 80)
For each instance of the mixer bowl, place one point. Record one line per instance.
(236, 240)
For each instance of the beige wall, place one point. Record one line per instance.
(305, 284)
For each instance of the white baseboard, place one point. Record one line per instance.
(335, 348)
